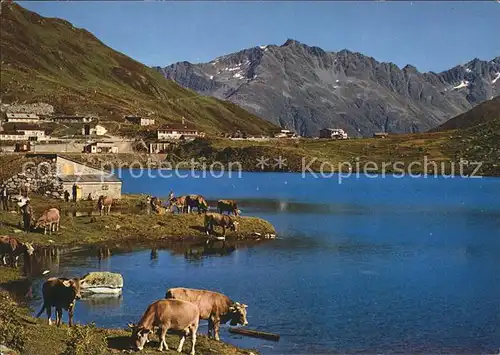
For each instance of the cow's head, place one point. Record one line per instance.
(238, 314)
(74, 284)
(28, 248)
(234, 226)
(140, 336)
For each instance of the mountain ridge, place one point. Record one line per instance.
(306, 88)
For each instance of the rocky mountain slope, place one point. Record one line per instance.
(485, 112)
(49, 60)
(306, 88)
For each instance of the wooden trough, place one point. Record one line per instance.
(255, 333)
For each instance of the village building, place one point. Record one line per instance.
(89, 129)
(285, 133)
(158, 147)
(178, 131)
(380, 135)
(13, 136)
(100, 147)
(24, 132)
(333, 133)
(22, 117)
(60, 118)
(141, 121)
(82, 179)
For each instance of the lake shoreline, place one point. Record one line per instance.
(22, 332)
(130, 226)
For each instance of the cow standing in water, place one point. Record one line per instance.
(14, 248)
(214, 306)
(104, 204)
(228, 206)
(170, 314)
(62, 294)
(50, 219)
(217, 219)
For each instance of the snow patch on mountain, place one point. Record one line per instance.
(463, 84)
(496, 78)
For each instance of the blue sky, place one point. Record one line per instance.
(430, 35)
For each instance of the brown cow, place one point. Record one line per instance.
(179, 203)
(196, 201)
(104, 204)
(217, 219)
(228, 206)
(13, 247)
(214, 306)
(60, 293)
(49, 219)
(168, 314)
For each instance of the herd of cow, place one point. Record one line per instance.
(180, 312)
(188, 203)
(181, 309)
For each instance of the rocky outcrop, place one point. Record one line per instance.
(305, 88)
(102, 283)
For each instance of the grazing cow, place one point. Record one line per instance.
(214, 306)
(104, 204)
(177, 315)
(60, 293)
(217, 219)
(50, 219)
(196, 201)
(227, 206)
(13, 248)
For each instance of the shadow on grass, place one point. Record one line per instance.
(119, 343)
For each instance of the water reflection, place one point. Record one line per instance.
(213, 248)
(102, 301)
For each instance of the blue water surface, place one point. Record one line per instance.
(373, 265)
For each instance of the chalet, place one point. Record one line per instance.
(89, 129)
(83, 179)
(332, 133)
(380, 135)
(285, 133)
(141, 121)
(178, 131)
(22, 117)
(24, 132)
(100, 147)
(59, 118)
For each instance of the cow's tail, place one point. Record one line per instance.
(41, 311)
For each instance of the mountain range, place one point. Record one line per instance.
(49, 60)
(306, 88)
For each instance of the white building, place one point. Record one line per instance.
(22, 117)
(178, 131)
(13, 136)
(333, 133)
(100, 147)
(285, 133)
(141, 121)
(97, 130)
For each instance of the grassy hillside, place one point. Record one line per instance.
(49, 60)
(483, 113)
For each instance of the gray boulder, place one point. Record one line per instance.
(102, 283)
